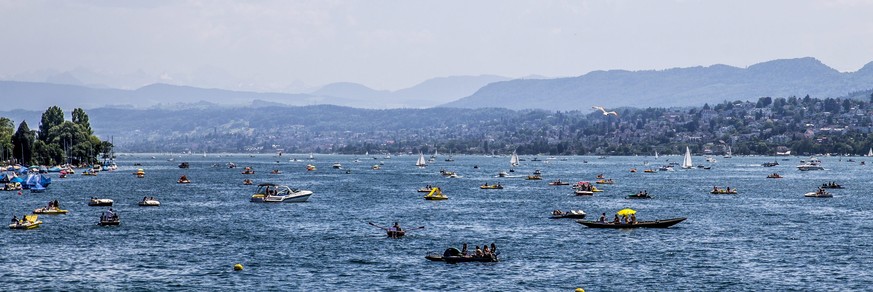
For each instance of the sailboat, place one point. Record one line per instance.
(656, 154)
(727, 154)
(686, 163)
(870, 153)
(513, 160)
(420, 162)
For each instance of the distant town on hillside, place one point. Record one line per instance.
(803, 125)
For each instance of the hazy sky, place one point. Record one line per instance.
(271, 45)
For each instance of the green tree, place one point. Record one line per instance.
(22, 143)
(81, 118)
(7, 129)
(52, 117)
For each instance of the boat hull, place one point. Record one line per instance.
(109, 223)
(568, 216)
(641, 224)
(50, 211)
(462, 259)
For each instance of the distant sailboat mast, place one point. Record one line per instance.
(513, 160)
(420, 162)
(686, 163)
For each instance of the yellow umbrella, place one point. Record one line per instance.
(624, 212)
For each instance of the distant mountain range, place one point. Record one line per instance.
(673, 87)
(41, 95)
(615, 88)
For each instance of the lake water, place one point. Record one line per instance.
(768, 237)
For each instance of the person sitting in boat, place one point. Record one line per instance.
(397, 227)
(602, 218)
(478, 252)
(493, 248)
(485, 251)
(633, 219)
(728, 190)
(616, 220)
(624, 219)
(14, 219)
(645, 192)
(714, 189)
(557, 213)
(464, 250)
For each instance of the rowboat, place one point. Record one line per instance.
(453, 255)
(640, 224)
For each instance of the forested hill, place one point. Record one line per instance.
(803, 125)
(673, 87)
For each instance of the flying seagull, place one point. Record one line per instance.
(605, 113)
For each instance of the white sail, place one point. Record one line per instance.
(513, 160)
(870, 153)
(727, 154)
(686, 163)
(656, 154)
(420, 162)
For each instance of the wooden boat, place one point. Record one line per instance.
(639, 196)
(184, 180)
(775, 175)
(425, 190)
(248, 170)
(534, 177)
(183, 165)
(572, 214)
(247, 182)
(491, 187)
(831, 186)
(558, 183)
(640, 224)
(605, 181)
(109, 222)
(453, 255)
(723, 192)
(649, 171)
(463, 259)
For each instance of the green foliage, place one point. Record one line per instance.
(52, 117)
(22, 143)
(59, 141)
(7, 129)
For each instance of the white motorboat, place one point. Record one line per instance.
(812, 164)
(502, 174)
(150, 202)
(337, 165)
(819, 194)
(272, 193)
(100, 202)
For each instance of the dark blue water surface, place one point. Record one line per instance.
(769, 237)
